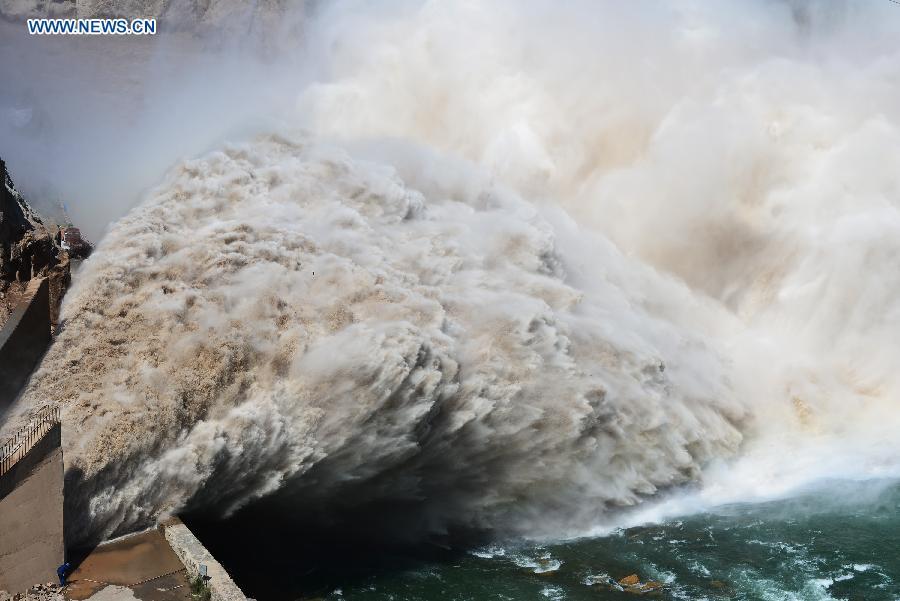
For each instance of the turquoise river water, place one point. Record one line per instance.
(839, 541)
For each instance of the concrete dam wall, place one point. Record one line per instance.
(31, 511)
(24, 339)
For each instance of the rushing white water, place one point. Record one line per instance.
(528, 263)
(277, 307)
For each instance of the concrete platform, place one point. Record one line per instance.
(31, 510)
(140, 566)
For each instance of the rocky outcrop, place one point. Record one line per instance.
(630, 584)
(39, 592)
(27, 250)
(26, 245)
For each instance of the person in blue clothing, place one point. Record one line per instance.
(61, 571)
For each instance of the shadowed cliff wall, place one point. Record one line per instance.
(23, 340)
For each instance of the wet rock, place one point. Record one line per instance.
(632, 584)
(721, 587)
(651, 586)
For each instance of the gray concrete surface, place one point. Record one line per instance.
(193, 554)
(138, 566)
(31, 517)
(24, 339)
(114, 593)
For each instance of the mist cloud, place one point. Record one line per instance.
(565, 257)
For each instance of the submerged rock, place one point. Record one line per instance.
(650, 586)
(632, 584)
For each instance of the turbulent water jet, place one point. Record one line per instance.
(525, 263)
(279, 316)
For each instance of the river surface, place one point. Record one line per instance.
(839, 541)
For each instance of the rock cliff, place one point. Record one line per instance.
(27, 250)
(26, 245)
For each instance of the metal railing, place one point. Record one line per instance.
(22, 441)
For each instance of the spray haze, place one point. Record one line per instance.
(517, 265)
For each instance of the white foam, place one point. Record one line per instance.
(569, 257)
(554, 593)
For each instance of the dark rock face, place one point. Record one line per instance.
(27, 247)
